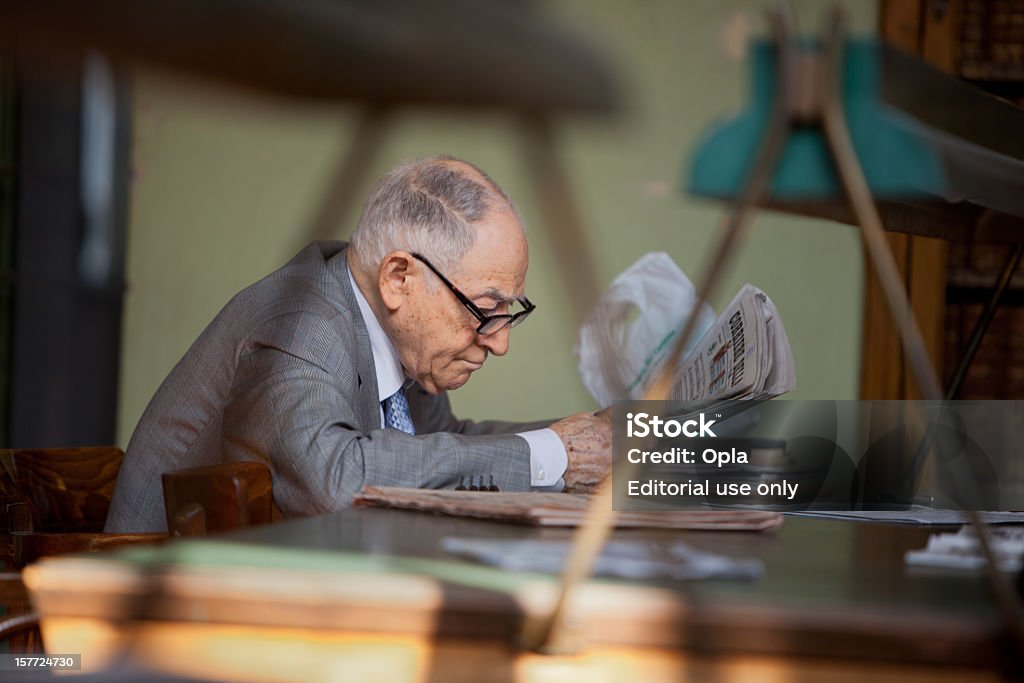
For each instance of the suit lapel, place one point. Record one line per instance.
(366, 379)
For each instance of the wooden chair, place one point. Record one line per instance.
(55, 501)
(217, 498)
(52, 501)
(57, 489)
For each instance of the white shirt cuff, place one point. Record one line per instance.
(548, 459)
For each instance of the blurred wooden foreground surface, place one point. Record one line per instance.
(368, 593)
(54, 501)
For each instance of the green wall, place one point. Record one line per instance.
(226, 183)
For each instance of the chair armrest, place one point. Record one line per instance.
(32, 545)
(217, 498)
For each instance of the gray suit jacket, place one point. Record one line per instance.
(284, 375)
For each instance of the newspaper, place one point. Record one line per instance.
(631, 331)
(744, 355)
(557, 509)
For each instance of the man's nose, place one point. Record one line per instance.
(496, 343)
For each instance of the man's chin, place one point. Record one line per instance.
(456, 381)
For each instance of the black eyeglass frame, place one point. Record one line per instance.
(511, 319)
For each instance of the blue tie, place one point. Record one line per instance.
(396, 413)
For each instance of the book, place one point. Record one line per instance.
(556, 509)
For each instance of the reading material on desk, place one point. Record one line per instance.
(963, 551)
(623, 559)
(915, 514)
(557, 509)
(744, 353)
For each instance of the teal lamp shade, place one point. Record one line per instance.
(897, 155)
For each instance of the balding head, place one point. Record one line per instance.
(450, 214)
(430, 206)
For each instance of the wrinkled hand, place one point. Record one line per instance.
(588, 443)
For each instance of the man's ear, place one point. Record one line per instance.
(394, 278)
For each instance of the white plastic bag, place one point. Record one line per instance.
(632, 328)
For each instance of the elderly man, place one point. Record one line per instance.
(333, 370)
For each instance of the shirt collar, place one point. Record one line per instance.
(390, 376)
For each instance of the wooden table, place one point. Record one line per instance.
(368, 593)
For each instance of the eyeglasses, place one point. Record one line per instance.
(489, 324)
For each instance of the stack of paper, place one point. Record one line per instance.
(557, 509)
(624, 559)
(963, 551)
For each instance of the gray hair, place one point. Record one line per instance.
(428, 206)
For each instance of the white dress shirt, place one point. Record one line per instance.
(548, 459)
